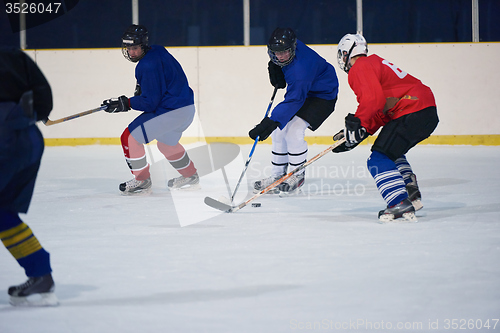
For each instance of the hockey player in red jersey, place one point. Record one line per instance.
(405, 108)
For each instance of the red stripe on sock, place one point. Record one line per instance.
(133, 149)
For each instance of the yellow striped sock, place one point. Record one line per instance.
(20, 241)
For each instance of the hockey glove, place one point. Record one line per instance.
(276, 75)
(342, 148)
(120, 104)
(138, 90)
(354, 132)
(264, 129)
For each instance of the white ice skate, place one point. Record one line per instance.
(259, 185)
(135, 187)
(292, 185)
(185, 183)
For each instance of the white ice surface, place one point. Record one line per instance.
(317, 261)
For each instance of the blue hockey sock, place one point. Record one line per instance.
(18, 238)
(404, 168)
(388, 179)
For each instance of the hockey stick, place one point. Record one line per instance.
(231, 209)
(253, 147)
(49, 122)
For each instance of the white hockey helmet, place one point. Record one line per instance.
(349, 46)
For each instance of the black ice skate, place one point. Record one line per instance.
(414, 193)
(182, 182)
(37, 291)
(292, 184)
(259, 185)
(135, 186)
(403, 209)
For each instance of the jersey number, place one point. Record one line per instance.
(399, 72)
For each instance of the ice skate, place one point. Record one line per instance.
(191, 183)
(403, 209)
(134, 187)
(292, 185)
(259, 185)
(37, 291)
(414, 193)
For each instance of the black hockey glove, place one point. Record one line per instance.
(342, 148)
(276, 75)
(264, 129)
(120, 104)
(355, 134)
(138, 90)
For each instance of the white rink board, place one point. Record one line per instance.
(232, 89)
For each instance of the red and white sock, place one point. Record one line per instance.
(135, 156)
(178, 158)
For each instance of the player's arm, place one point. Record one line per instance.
(276, 75)
(42, 93)
(370, 96)
(296, 94)
(365, 121)
(152, 79)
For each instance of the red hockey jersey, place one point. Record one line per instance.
(385, 92)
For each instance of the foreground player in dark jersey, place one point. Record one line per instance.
(25, 98)
(405, 108)
(167, 101)
(311, 93)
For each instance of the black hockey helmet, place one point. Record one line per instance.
(282, 39)
(135, 35)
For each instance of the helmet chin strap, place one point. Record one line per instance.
(348, 59)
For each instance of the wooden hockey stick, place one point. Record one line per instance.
(231, 209)
(49, 122)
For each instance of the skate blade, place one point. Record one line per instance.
(147, 191)
(45, 299)
(285, 194)
(187, 187)
(389, 218)
(417, 204)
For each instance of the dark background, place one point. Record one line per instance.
(99, 24)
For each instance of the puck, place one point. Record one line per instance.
(256, 204)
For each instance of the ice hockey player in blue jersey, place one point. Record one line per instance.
(167, 104)
(25, 98)
(311, 93)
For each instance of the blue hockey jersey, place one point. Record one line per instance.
(308, 75)
(164, 86)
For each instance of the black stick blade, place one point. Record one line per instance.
(218, 205)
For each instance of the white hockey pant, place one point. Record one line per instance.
(289, 146)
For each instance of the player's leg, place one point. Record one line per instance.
(168, 129)
(400, 135)
(20, 241)
(297, 153)
(177, 156)
(135, 156)
(410, 180)
(279, 161)
(311, 115)
(16, 190)
(391, 186)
